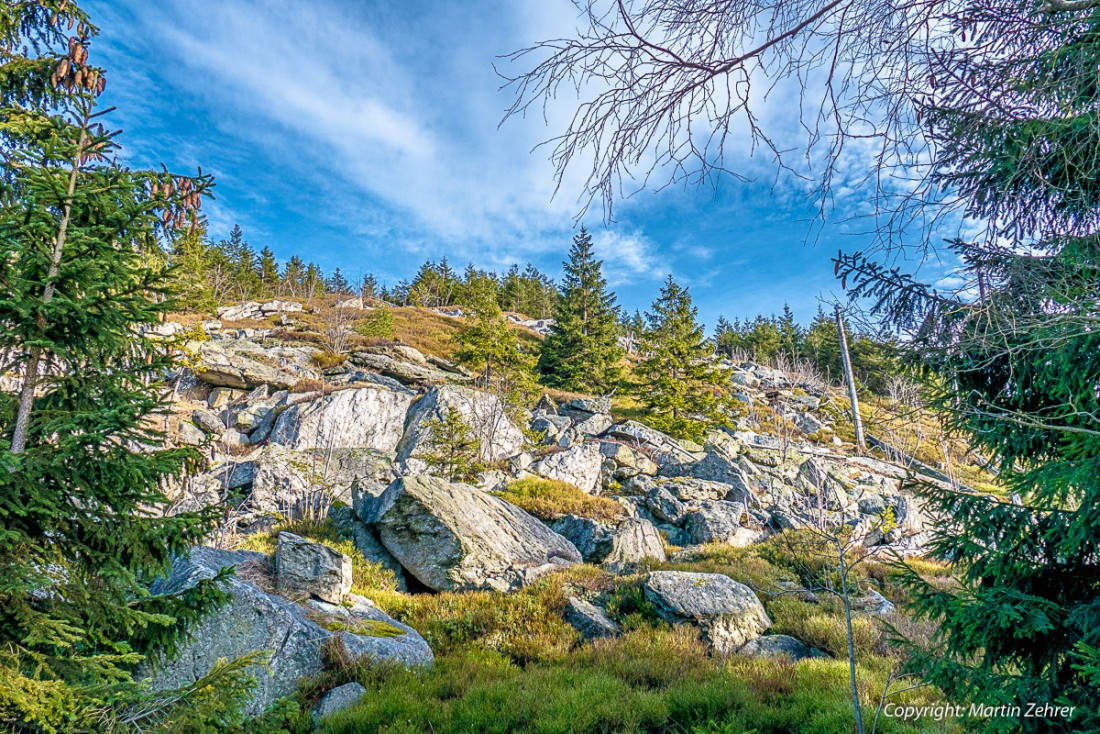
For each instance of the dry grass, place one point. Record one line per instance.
(548, 499)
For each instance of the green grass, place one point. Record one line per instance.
(549, 499)
(508, 663)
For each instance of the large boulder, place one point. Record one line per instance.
(364, 417)
(727, 613)
(498, 437)
(305, 567)
(243, 364)
(251, 622)
(579, 466)
(455, 537)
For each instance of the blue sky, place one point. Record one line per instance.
(365, 135)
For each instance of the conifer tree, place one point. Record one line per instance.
(684, 390)
(582, 350)
(269, 272)
(337, 283)
(80, 467)
(454, 448)
(1013, 360)
(488, 346)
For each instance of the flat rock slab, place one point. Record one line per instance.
(780, 646)
(727, 612)
(454, 537)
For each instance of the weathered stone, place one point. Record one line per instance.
(398, 366)
(338, 698)
(222, 396)
(589, 619)
(551, 427)
(579, 466)
(591, 537)
(687, 489)
(665, 506)
(667, 449)
(595, 424)
(190, 434)
(367, 543)
(874, 604)
(254, 622)
(455, 537)
(240, 363)
(714, 522)
(305, 567)
(633, 541)
(207, 421)
(780, 646)
(365, 417)
(728, 613)
(498, 436)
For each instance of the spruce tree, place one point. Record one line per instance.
(1014, 363)
(582, 350)
(489, 347)
(80, 466)
(683, 388)
(269, 273)
(454, 448)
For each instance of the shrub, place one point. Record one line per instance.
(379, 325)
(326, 359)
(548, 499)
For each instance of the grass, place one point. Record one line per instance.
(548, 499)
(367, 578)
(509, 663)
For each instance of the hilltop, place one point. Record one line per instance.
(567, 572)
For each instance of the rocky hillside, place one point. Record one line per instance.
(605, 527)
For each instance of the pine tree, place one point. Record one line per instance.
(80, 467)
(582, 350)
(684, 390)
(454, 448)
(1014, 364)
(790, 333)
(292, 282)
(488, 346)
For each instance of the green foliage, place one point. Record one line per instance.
(1015, 367)
(530, 292)
(684, 391)
(549, 499)
(379, 324)
(488, 346)
(768, 339)
(453, 448)
(80, 464)
(582, 352)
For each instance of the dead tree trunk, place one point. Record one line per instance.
(850, 377)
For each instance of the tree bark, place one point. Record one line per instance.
(30, 377)
(850, 377)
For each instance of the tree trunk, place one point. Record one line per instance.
(850, 377)
(30, 377)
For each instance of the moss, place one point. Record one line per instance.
(365, 627)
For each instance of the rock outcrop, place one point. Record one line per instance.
(359, 417)
(254, 621)
(454, 537)
(498, 437)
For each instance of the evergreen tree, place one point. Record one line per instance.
(582, 350)
(790, 333)
(80, 467)
(453, 448)
(338, 284)
(269, 273)
(293, 280)
(684, 390)
(1015, 365)
(489, 346)
(368, 288)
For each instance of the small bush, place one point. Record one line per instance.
(326, 359)
(548, 499)
(379, 325)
